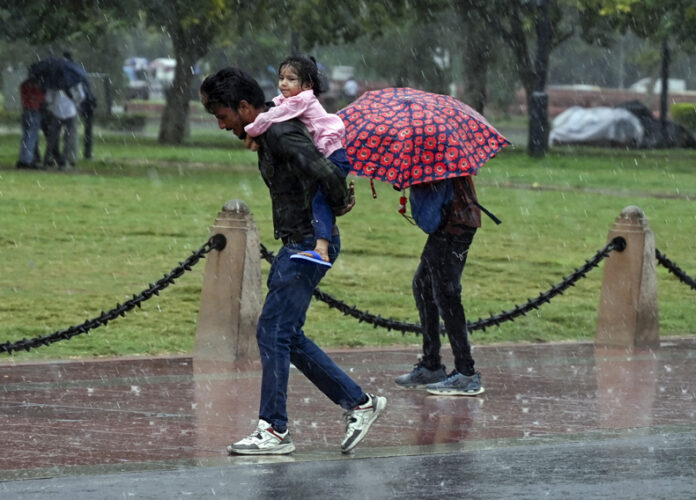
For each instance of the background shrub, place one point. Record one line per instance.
(684, 113)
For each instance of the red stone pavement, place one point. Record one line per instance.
(118, 412)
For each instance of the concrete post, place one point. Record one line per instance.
(231, 298)
(628, 313)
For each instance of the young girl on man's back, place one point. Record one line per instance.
(300, 85)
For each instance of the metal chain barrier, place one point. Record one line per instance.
(216, 242)
(674, 269)
(618, 244)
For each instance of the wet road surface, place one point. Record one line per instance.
(564, 420)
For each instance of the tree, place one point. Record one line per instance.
(531, 29)
(192, 26)
(34, 29)
(38, 21)
(413, 53)
(665, 22)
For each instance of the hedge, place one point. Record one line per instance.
(684, 113)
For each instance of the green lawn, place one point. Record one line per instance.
(74, 244)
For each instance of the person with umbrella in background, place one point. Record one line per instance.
(62, 116)
(432, 144)
(33, 98)
(65, 83)
(86, 112)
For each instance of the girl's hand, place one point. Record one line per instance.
(250, 143)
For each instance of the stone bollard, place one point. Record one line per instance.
(628, 313)
(231, 297)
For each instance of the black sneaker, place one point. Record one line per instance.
(421, 376)
(458, 384)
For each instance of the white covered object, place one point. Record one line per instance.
(596, 125)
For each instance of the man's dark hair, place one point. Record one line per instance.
(308, 71)
(228, 87)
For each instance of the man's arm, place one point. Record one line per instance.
(290, 140)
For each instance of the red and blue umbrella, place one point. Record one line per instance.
(405, 137)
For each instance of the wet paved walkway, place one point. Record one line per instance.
(559, 420)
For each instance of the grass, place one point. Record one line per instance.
(74, 244)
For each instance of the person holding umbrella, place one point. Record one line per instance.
(65, 83)
(62, 115)
(292, 168)
(449, 213)
(431, 144)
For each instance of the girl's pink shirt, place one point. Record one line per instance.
(327, 130)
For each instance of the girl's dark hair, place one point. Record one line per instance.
(308, 72)
(228, 87)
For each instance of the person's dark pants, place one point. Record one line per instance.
(87, 116)
(281, 340)
(51, 128)
(438, 292)
(29, 145)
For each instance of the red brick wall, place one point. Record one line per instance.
(562, 99)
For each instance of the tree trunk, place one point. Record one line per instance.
(477, 52)
(665, 89)
(175, 117)
(538, 143)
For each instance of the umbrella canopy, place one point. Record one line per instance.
(58, 73)
(405, 136)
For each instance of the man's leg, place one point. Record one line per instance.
(88, 122)
(285, 305)
(30, 136)
(425, 302)
(290, 287)
(464, 381)
(70, 144)
(52, 132)
(447, 289)
(430, 368)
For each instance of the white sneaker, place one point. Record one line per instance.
(359, 419)
(265, 440)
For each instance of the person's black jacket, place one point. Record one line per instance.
(293, 170)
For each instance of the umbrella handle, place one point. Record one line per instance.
(372, 186)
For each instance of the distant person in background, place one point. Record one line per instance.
(87, 115)
(61, 116)
(62, 119)
(33, 98)
(86, 112)
(351, 89)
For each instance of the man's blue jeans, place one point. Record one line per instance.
(31, 124)
(282, 341)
